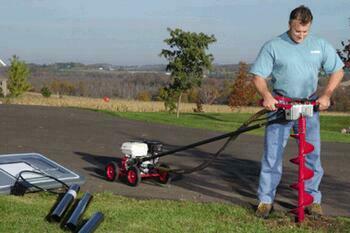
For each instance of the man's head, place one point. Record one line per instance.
(300, 20)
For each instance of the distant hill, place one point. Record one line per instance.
(106, 66)
(219, 70)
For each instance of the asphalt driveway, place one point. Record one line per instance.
(85, 141)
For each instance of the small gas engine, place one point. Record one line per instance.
(294, 112)
(135, 172)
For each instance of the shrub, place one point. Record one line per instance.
(45, 91)
(62, 87)
(144, 96)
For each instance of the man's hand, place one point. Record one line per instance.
(333, 83)
(324, 102)
(268, 100)
(269, 103)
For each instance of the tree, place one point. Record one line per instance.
(345, 54)
(63, 87)
(18, 73)
(188, 61)
(243, 92)
(209, 92)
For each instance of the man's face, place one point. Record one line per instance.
(297, 31)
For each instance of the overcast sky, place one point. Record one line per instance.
(131, 32)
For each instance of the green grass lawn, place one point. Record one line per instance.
(27, 214)
(225, 122)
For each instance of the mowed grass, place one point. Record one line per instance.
(225, 122)
(216, 117)
(28, 214)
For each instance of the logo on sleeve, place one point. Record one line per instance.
(315, 51)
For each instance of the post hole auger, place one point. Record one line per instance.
(300, 110)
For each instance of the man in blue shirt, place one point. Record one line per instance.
(293, 60)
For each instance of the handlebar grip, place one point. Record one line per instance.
(316, 106)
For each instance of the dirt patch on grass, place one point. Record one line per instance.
(311, 223)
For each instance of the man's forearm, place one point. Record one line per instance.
(268, 100)
(261, 86)
(333, 83)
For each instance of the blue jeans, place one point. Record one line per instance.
(276, 137)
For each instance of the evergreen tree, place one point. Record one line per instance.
(18, 73)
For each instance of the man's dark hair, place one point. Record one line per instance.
(301, 13)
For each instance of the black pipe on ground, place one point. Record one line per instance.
(92, 224)
(73, 220)
(65, 202)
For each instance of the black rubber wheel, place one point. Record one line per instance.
(112, 171)
(133, 176)
(164, 176)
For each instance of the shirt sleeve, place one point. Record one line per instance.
(331, 61)
(263, 64)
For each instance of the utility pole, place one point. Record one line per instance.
(2, 63)
(3, 82)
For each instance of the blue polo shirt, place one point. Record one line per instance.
(294, 67)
